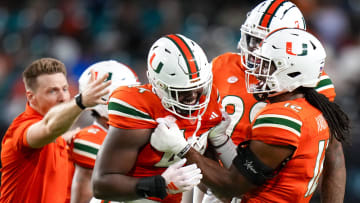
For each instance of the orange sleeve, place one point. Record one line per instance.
(326, 87)
(21, 132)
(85, 146)
(277, 126)
(128, 109)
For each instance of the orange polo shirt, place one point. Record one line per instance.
(33, 175)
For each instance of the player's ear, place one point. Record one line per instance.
(30, 96)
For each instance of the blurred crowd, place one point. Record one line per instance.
(81, 32)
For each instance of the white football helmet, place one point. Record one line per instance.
(178, 66)
(287, 59)
(119, 74)
(266, 17)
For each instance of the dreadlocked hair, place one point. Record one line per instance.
(338, 121)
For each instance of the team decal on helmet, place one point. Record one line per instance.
(159, 66)
(289, 49)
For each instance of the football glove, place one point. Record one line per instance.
(181, 178)
(167, 137)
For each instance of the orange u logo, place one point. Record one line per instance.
(289, 49)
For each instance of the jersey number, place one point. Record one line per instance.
(318, 167)
(238, 110)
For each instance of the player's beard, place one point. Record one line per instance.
(184, 112)
(187, 112)
(261, 85)
(262, 97)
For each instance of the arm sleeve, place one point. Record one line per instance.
(277, 126)
(128, 110)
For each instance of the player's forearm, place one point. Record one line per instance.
(60, 118)
(56, 121)
(334, 174)
(216, 177)
(115, 187)
(81, 191)
(80, 195)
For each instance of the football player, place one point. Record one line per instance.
(229, 76)
(127, 168)
(283, 157)
(86, 143)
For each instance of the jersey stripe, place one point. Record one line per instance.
(187, 54)
(270, 12)
(121, 108)
(86, 148)
(85, 154)
(279, 121)
(325, 83)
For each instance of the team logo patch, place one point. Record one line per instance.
(232, 79)
(250, 166)
(289, 49)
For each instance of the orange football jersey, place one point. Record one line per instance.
(229, 78)
(299, 124)
(86, 144)
(138, 108)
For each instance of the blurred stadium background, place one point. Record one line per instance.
(81, 32)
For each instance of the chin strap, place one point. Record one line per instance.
(198, 143)
(198, 125)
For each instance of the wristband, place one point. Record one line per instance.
(78, 100)
(227, 139)
(153, 186)
(184, 151)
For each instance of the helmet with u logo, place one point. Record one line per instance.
(180, 74)
(287, 59)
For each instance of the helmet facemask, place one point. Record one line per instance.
(188, 103)
(249, 44)
(260, 80)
